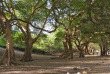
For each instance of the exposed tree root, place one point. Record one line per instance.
(26, 58)
(65, 55)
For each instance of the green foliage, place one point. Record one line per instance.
(95, 46)
(50, 43)
(18, 39)
(60, 34)
(2, 40)
(25, 8)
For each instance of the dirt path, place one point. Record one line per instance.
(43, 64)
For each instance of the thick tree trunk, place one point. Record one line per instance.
(27, 56)
(65, 46)
(64, 55)
(9, 56)
(103, 47)
(70, 47)
(68, 53)
(80, 48)
(104, 51)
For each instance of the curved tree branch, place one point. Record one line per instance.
(34, 40)
(55, 27)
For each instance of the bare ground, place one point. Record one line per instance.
(44, 64)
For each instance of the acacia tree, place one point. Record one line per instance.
(99, 16)
(5, 27)
(32, 13)
(70, 15)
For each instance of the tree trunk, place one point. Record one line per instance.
(28, 50)
(80, 48)
(67, 46)
(103, 47)
(101, 50)
(28, 46)
(9, 56)
(70, 47)
(104, 51)
(86, 49)
(81, 53)
(63, 55)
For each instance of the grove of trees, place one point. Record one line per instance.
(70, 25)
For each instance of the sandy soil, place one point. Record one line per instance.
(44, 64)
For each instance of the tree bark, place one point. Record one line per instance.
(103, 47)
(67, 46)
(81, 55)
(86, 49)
(79, 47)
(27, 56)
(64, 55)
(70, 46)
(9, 55)
(104, 50)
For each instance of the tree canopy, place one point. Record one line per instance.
(53, 25)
